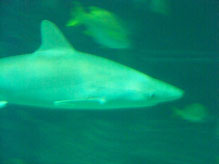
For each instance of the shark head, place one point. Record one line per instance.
(156, 91)
(142, 90)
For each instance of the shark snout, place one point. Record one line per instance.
(180, 93)
(174, 93)
(164, 92)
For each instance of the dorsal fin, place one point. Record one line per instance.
(52, 37)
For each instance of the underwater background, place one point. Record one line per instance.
(179, 46)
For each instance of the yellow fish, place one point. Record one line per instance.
(104, 26)
(194, 112)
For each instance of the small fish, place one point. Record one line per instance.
(103, 26)
(161, 7)
(194, 112)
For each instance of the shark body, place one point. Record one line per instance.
(57, 76)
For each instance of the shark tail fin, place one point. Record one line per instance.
(77, 15)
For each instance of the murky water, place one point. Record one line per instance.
(174, 41)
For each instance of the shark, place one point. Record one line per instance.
(56, 76)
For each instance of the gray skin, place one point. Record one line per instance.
(58, 77)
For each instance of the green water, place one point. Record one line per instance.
(180, 48)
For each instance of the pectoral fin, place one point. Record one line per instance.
(76, 102)
(3, 104)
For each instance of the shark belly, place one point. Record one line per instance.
(54, 83)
